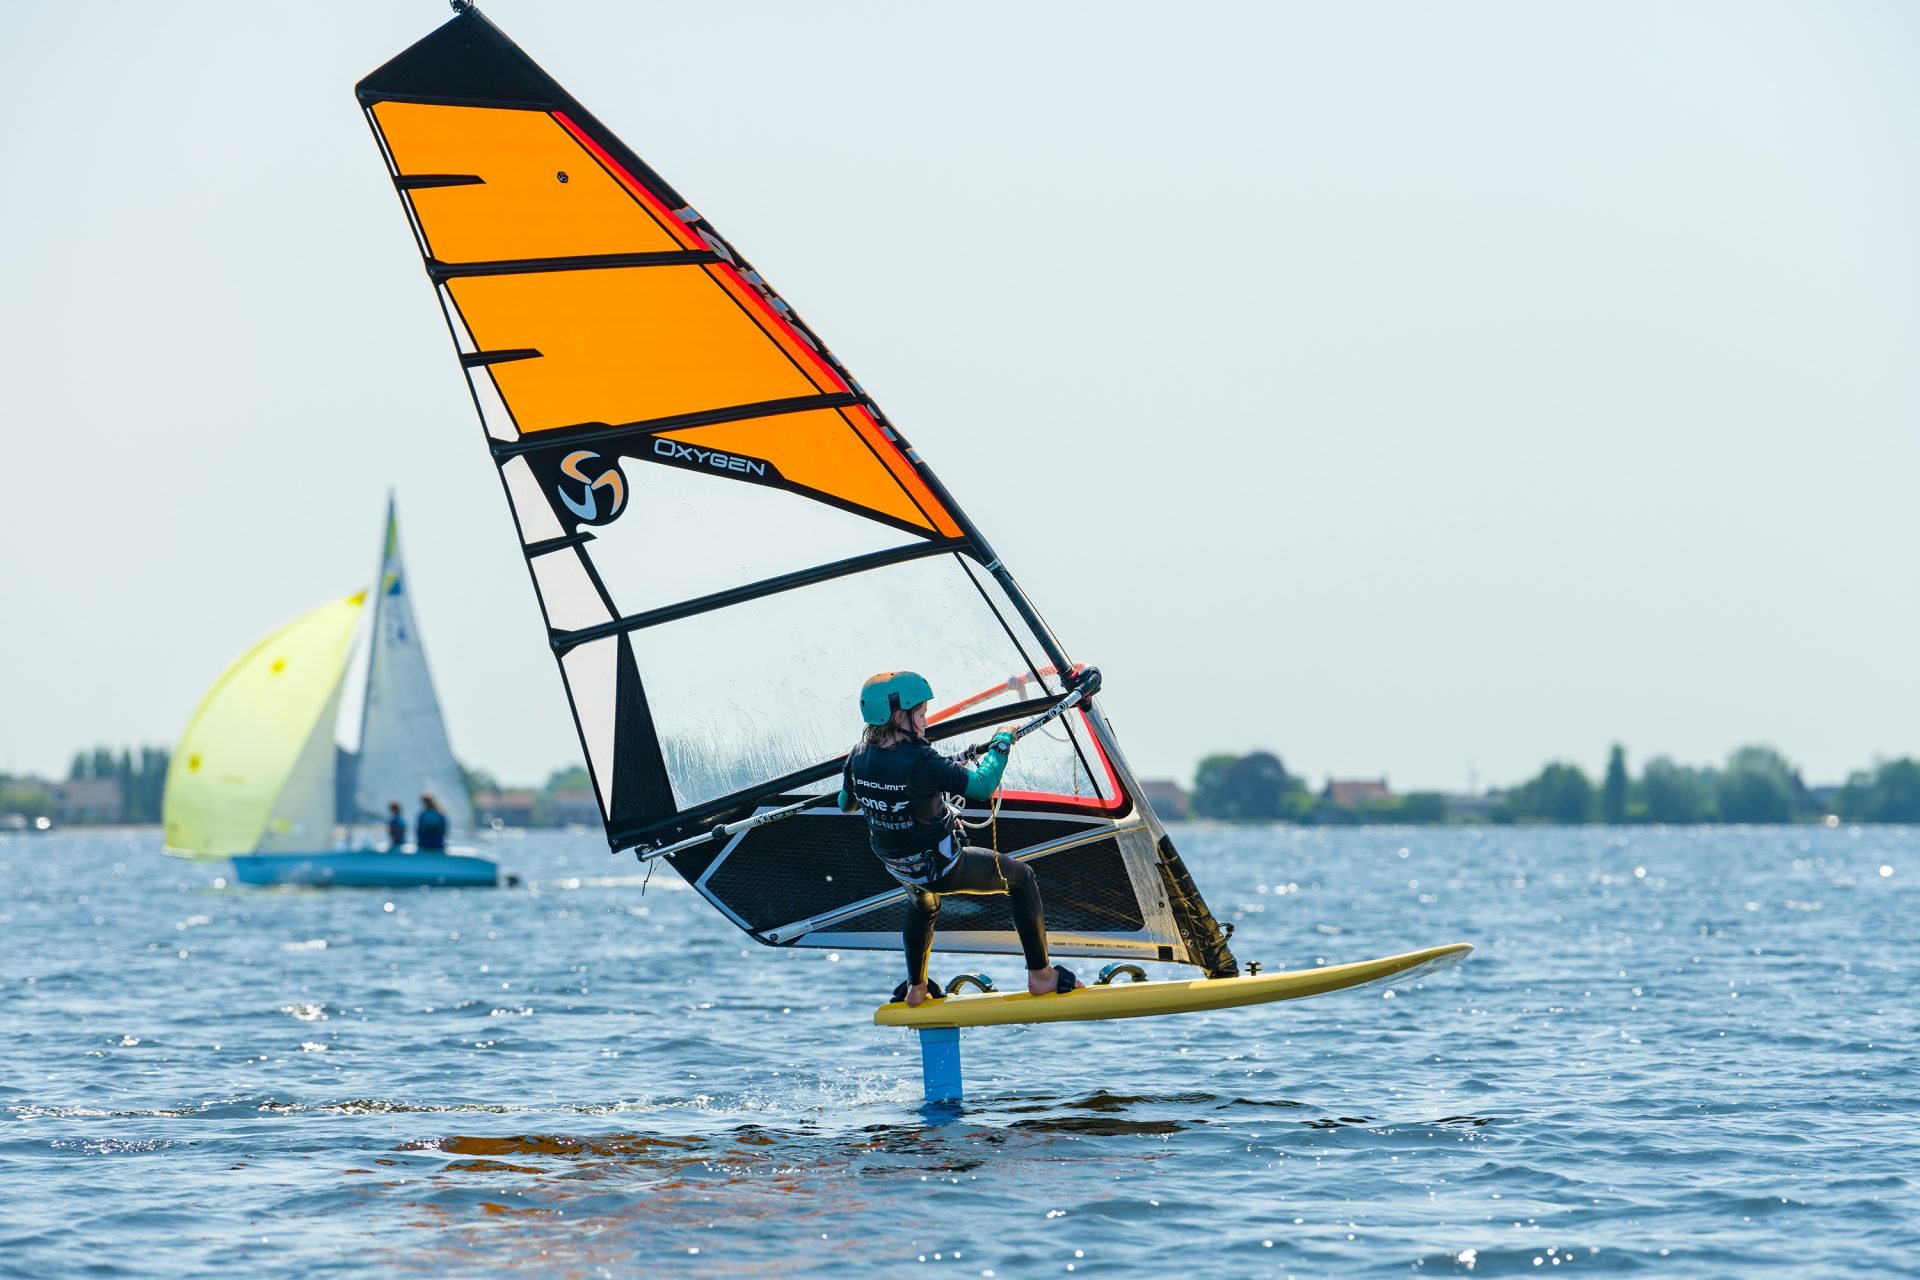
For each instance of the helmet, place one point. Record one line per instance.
(888, 692)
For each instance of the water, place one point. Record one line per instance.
(1678, 1052)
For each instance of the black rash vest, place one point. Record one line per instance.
(900, 791)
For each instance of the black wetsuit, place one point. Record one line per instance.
(901, 790)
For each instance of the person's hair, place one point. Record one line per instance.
(393, 806)
(426, 798)
(897, 729)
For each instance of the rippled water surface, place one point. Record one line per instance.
(1674, 1053)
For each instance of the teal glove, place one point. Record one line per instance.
(983, 779)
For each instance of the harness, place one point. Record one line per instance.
(917, 837)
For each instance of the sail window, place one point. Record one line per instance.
(768, 686)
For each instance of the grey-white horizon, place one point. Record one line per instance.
(1417, 391)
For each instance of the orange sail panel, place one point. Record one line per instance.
(583, 301)
(821, 451)
(537, 192)
(622, 346)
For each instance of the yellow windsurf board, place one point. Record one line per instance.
(1152, 999)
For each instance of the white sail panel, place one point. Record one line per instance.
(493, 410)
(535, 514)
(590, 673)
(567, 591)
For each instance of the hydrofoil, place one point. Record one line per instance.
(939, 1021)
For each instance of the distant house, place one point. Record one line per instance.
(89, 799)
(1168, 798)
(508, 808)
(1474, 808)
(1357, 793)
(573, 808)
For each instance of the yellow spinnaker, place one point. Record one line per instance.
(244, 741)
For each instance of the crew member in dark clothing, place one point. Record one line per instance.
(899, 782)
(430, 828)
(396, 827)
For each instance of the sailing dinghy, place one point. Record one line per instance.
(258, 778)
(726, 536)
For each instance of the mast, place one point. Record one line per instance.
(373, 631)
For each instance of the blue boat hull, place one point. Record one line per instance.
(367, 869)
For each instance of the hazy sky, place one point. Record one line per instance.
(1420, 389)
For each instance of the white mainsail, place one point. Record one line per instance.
(403, 739)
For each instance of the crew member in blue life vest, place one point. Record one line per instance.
(896, 779)
(430, 828)
(396, 827)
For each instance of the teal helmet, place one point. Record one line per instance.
(890, 691)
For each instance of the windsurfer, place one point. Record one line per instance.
(899, 782)
(430, 828)
(396, 827)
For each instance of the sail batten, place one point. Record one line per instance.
(479, 359)
(602, 433)
(591, 262)
(422, 181)
(713, 610)
(753, 591)
(743, 802)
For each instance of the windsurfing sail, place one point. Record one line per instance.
(726, 534)
(403, 739)
(254, 770)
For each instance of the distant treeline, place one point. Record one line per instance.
(546, 810)
(102, 785)
(105, 785)
(28, 797)
(142, 777)
(1256, 787)
(1756, 784)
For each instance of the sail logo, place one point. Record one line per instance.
(588, 508)
(674, 451)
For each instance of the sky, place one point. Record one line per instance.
(1423, 391)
